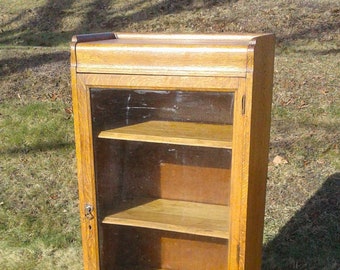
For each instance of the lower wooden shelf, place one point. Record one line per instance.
(171, 215)
(138, 268)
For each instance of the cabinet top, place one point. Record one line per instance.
(167, 54)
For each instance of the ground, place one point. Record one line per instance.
(38, 189)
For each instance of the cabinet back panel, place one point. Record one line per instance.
(177, 172)
(152, 249)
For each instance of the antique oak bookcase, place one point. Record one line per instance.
(172, 135)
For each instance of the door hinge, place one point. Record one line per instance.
(243, 104)
(88, 211)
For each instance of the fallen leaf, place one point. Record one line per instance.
(69, 110)
(278, 160)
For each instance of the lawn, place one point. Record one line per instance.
(39, 221)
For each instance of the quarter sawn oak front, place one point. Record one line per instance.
(172, 135)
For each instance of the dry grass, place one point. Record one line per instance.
(38, 200)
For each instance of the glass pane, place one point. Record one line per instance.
(162, 202)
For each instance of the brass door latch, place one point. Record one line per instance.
(88, 211)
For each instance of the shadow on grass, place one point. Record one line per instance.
(309, 33)
(45, 28)
(41, 29)
(311, 239)
(40, 147)
(161, 8)
(12, 65)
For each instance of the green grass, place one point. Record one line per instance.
(39, 221)
(37, 125)
(38, 194)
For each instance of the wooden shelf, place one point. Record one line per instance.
(136, 268)
(171, 215)
(181, 133)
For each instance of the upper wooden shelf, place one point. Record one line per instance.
(171, 215)
(180, 133)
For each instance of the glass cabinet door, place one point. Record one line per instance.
(162, 173)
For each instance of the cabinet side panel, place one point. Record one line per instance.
(261, 100)
(250, 157)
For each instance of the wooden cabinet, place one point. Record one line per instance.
(172, 137)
